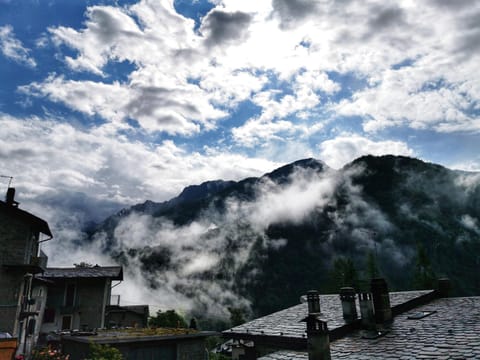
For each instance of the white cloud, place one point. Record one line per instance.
(13, 48)
(347, 147)
(56, 160)
(419, 64)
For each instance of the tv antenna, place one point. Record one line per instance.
(8, 177)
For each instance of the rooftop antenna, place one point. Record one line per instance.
(8, 177)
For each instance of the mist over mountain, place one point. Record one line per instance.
(259, 243)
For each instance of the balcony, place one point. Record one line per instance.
(37, 264)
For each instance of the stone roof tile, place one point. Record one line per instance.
(452, 332)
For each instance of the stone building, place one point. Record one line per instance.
(20, 260)
(77, 297)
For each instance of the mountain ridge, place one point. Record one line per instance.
(285, 231)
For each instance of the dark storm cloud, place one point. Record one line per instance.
(453, 4)
(81, 206)
(468, 42)
(221, 27)
(16, 154)
(385, 18)
(292, 12)
(152, 98)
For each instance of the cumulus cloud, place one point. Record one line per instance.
(417, 63)
(13, 48)
(291, 12)
(220, 27)
(347, 147)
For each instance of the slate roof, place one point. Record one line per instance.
(451, 332)
(286, 326)
(34, 221)
(112, 272)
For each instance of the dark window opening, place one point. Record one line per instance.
(70, 295)
(67, 322)
(49, 316)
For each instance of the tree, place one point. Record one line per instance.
(343, 274)
(237, 316)
(169, 319)
(424, 276)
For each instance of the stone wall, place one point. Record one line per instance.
(17, 244)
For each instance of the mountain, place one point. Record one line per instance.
(259, 243)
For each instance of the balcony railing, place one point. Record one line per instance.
(37, 264)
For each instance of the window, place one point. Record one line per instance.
(49, 315)
(67, 322)
(70, 295)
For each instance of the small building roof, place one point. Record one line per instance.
(34, 221)
(112, 272)
(137, 309)
(450, 331)
(138, 335)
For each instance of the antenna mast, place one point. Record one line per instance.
(8, 177)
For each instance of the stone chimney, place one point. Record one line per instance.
(10, 198)
(381, 301)
(313, 300)
(318, 341)
(347, 297)
(366, 310)
(443, 287)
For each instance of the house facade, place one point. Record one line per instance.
(77, 297)
(20, 261)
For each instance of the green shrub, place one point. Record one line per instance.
(104, 352)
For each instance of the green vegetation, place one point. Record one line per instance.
(237, 316)
(424, 276)
(343, 274)
(167, 319)
(104, 352)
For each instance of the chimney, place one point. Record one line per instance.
(10, 198)
(381, 301)
(366, 310)
(443, 287)
(313, 300)
(318, 342)
(347, 297)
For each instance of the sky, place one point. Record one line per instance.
(104, 104)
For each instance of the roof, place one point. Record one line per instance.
(139, 335)
(112, 272)
(137, 309)
(452, 331)
(37, 223)
(285, 326)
